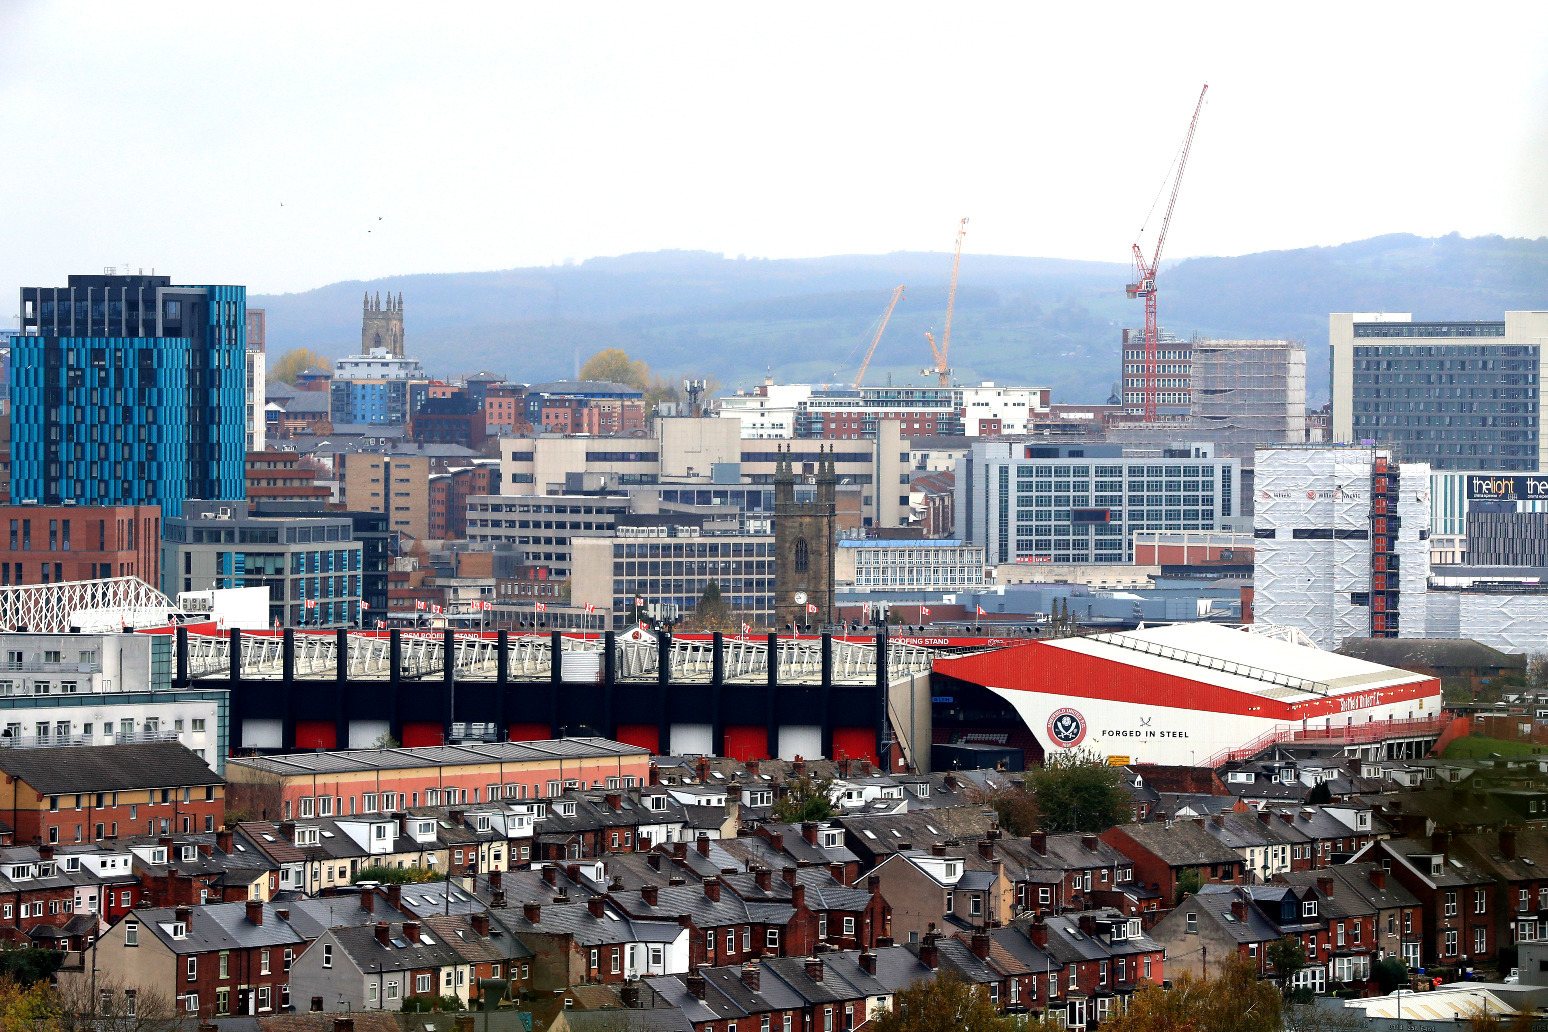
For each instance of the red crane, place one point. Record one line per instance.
(1144, 284)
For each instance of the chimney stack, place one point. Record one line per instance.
(929, 953)
(532, 911)
(368, 898)
(551, 874)
(937, 849)
(1038, 840)
(183, 914)
(789, 874)
(1239, 909)
(1378, 878)
(1508, 843)
(255, 912)
(696, 985)
(223, 839)
(283, 914)
(614, 801)
(712, 889)
(495, 879)
(1037, 931)
(594, 904)
(752, 767)
(383, 934)
(868, 963)
(650, 894)
(1090, 842)
(343, 1025)
(764, 879)
(814, 969)
(751, 976)
(287, 830)
(777, 839)
(809, 831)
(986, 848)
(481, 923)
(411, 931)
(980, 944)
(1325, 884)
(703, 844)
(798, 896)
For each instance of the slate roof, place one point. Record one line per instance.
(1406, 653)
(216, 926)
(496, 947)
(108, 768)
(1256, 928)
(575, 919)
(313, 916)
(338, 761)
(660, 1019)
(361, 946)
(1180, 844)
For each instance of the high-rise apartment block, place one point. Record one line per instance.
(1174, 378)
(1456, 395)
(1341, 545)
(129, 391)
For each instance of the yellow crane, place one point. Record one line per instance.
(897, 295)
(942, 369)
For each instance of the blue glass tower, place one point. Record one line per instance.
(127, 390)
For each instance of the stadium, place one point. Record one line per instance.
(1197, 694)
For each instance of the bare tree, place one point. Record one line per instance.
(256, 800)
(114, 1007)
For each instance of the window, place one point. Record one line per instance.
(1480, 940)
(263, 962)
(1451, 904)
(771, 939)
(131, 933)
(1478, 901)
(193, 969)
(1193, 924)
(1451, 942)
(421, 983)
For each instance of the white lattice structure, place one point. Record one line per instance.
(528, 658)
(92, 605)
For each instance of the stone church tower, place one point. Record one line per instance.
(382, 327)
(805, 536)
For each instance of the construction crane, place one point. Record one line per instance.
(942, 370)
(1144, 283)
(897, 295)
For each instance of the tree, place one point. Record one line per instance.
(1320, 793)
(1014, 807)
(291, 363)
(1233, 1001)
(1287, 957)
(81, 1004)
(711, 613)
(1079, 791)
(1390, 974)
(1537, 671)
(805, 799)
(28, 965)
(258, 797)
(385, 741)
(615, 366)
(944, 1003)
(1189, 883)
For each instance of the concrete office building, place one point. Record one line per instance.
(709, 453)
(879, 566)
(311, 565)
(1341, 547)
(1174, 380)
(1060, 503)
(544, 528)
(669, 566)
(1455, 395)
(128, 390)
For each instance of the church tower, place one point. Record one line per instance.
(805, 536)
(382, 327)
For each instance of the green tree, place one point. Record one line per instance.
(1390, 974)
(289, 365)
(944, 1003)
(615, 365)
(1233, 1001)
(1188, 883)
(805, 799)
(1287, 956)
(1320, 793)
(1014, 807)
(1079, 791)
(27, 965)
(385, 741)
(712, 613)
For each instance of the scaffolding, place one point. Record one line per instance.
(1250, 391)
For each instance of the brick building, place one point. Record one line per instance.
(449, 493)
(46, 544)
(278, 476)
(1163, 853)
(455, 419)
(81, 793)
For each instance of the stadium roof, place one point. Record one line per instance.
(344, 760)
(1240, 661)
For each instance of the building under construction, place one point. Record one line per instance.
(1250, 391)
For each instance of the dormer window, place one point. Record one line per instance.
(306, 837)
(1437, 866)
(20, 872)
(178, 930)
(483, 822)
(658, 802)
(951, 871)
(158, 855)
(1308, 908)
(426, 828)
(567, 809)
(189, 852)
(1363, 820)
(830, 839)
(541, 811)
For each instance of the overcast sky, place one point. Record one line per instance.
(289, 146)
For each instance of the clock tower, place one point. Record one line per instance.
(805, 536)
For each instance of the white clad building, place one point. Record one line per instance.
(882, 565)
(1341, 545)
(990, 408)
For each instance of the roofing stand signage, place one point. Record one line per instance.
(1515, 488)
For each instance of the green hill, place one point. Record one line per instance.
(1043, 321)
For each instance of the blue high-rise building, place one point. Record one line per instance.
(128, 390)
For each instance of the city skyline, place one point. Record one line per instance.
(381, 143)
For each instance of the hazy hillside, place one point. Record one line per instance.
(1029, 320)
